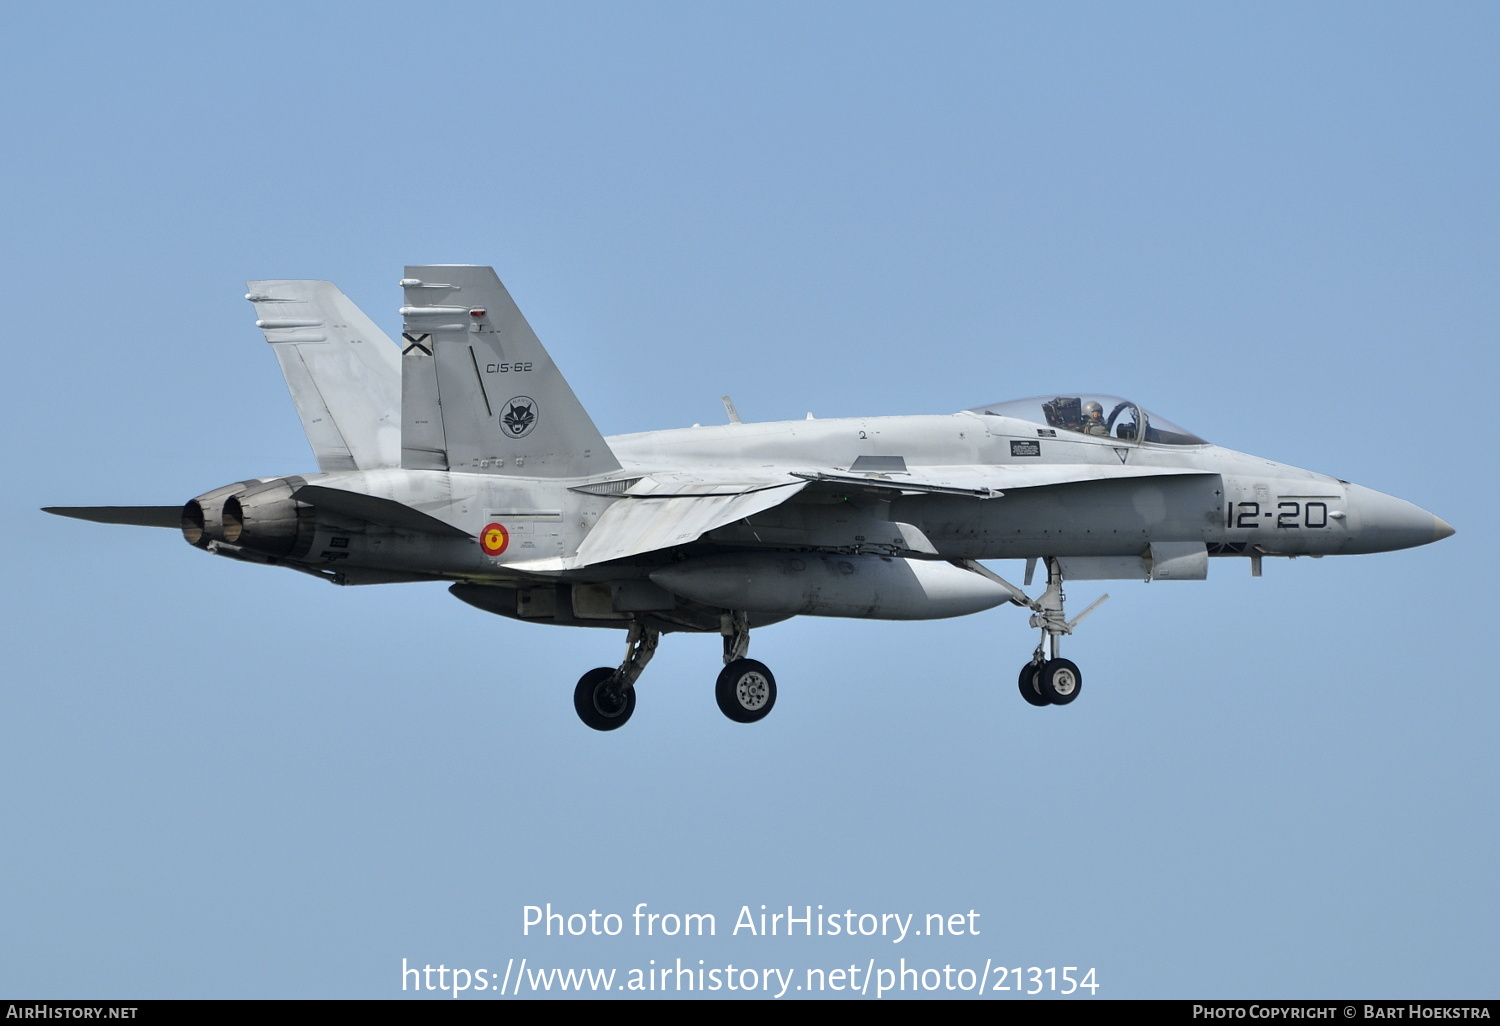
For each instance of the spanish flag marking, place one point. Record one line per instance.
(493, 539)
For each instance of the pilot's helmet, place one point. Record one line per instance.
(1092, 409)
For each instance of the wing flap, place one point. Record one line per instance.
(735, 483)
(633, 525)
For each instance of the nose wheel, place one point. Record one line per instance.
(1053, 682)
(1031, 684)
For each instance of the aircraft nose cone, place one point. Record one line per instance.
(1383, 522)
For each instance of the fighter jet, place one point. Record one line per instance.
(463, 456)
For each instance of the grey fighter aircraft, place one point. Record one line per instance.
(463, 456)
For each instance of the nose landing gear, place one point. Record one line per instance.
(1054, 680)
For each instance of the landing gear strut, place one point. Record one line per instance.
(745, 690)
(605, 698)
(1054, 680)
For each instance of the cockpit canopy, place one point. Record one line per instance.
(1106, 416)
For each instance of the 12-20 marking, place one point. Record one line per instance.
(1289, 513)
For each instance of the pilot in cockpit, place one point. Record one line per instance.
(1093, 419)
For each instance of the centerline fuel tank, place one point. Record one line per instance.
(821, 584)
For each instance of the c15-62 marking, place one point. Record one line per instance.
(1289, 513)
(507, 368)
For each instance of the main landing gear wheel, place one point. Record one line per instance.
(1031, 684)
(601, 701)
(1061, 681)
(746, 691)
(605, 698)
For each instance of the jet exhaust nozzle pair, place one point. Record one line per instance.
(260, 516)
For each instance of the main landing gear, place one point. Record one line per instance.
(1054, 680)
(746, 690)
(605, 698)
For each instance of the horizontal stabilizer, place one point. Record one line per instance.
(135, 516)
(375, 510)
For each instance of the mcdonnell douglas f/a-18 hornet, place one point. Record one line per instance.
(463, 456)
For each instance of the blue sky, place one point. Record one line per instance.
(1273, 224)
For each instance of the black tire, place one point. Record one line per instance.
(599, 703)
(1061, 681)
(1030, 684)
(746, 691)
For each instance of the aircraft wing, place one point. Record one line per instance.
(663, 511)
(666, 510)
(135, 516)
(987, 482)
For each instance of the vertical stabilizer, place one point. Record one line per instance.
(343, 372)
(478, 391)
